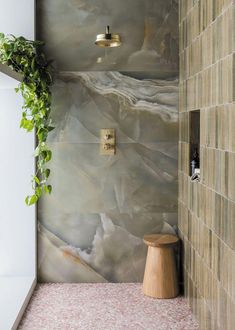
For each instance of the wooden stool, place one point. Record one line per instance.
(160, 277)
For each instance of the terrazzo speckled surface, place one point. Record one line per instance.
(103, 307)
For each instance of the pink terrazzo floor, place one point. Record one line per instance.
(103, 307)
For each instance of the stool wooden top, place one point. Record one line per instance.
(160, 240)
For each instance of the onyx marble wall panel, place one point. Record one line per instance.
(92, 225)
(148, 30)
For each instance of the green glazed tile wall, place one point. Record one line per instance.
(207, 208)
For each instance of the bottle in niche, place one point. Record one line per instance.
(195, 161)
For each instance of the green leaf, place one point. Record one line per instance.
(49, 155)
(46, 154)
(6, 47)
(36, 179)
(37, 151)
(39, 43)
(33, 64)
(26, 57)
(27, 124)
(48, 189)
(47, 173)
(30, 200)
(38, 192)
(21, 38)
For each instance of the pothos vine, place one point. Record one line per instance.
(27, 58)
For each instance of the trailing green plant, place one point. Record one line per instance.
(26, 57)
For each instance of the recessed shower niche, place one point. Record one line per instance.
(194, 138)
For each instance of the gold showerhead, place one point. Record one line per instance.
(108, 39)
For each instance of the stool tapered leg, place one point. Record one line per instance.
(160, 277)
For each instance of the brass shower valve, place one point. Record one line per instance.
(107, 141)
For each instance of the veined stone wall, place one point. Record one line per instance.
(91, 227)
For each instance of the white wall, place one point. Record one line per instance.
(17, 234)
(17, 17)
(17, 221)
